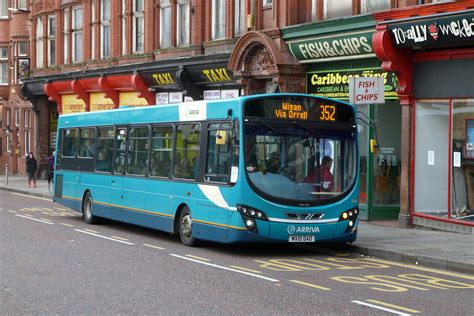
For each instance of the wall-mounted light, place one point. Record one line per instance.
(192, 10)
(8, 130)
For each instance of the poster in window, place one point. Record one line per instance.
(470, 139)
(23, 67)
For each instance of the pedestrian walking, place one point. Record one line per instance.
(31, 168)
(51, 166)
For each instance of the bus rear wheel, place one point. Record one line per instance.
(186, 228)
(87, 205)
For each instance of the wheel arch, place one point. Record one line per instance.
(176, 217)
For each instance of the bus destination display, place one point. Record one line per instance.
(300, 109)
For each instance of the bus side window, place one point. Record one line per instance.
(69, 142)
(161, 148)
(105, 145)
(138, 150)
(120, 143)
(218, 154)
(87, 143)
(187, 151)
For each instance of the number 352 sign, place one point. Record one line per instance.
(366, 90)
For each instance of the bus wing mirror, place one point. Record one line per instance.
(373, 146)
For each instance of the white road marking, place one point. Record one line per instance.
(381, 308)
(33, 197)
(225, 268)
(34, 219)
(152, 246)
(105, 237)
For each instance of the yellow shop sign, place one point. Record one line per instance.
(71, 104)
(131, 99)
(99, 102)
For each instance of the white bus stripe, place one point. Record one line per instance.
(381, 308)
(225, 268)
(105, 237)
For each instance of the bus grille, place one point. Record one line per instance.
(304, 216)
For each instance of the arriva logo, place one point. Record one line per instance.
(304, 229)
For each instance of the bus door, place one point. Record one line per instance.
(119, 165)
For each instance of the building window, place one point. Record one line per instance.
(218, 18)
(39, 43)
(267, 2)
(26, 117)
(27, 144)
(76, 34)
(105, 28)
(138, 26)
(183, 18)
(22, 48)
(239, 17)
(3, 9)
(66, 28)
(7, 117)
(93, 27)
(17, 117)
(374, 5)
(9, 143)
(4, 65)
(22, 5)
(335, 9)
(165, 27)
(51, 40)
(314, 10)
(124, 27)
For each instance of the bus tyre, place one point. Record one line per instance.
(186, 227)
(87, 204)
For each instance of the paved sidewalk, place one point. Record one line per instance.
(443, 250)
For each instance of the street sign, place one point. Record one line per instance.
(366, 90)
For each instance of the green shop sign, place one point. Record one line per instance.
(335, 84)
(334, 47)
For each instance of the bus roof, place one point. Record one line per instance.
(178, 112)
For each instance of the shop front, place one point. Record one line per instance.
(333, 56)
(432, 52)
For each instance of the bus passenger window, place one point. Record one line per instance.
(187, 151)
(219, 150)
(161, 148)
(69, 142)
(87, 143)
(120, 141)
(105, 145)
(138, 151)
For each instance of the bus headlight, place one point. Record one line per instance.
(250, 215)
(251, 212)
(350, 215)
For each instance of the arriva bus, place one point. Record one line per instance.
(274, 167)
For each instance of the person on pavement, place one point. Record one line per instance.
(31, 168)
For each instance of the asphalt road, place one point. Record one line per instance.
(51, 262)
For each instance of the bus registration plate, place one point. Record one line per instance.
(301, 238)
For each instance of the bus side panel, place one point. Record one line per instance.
(146, 203)
(106, 192)
(70, 196)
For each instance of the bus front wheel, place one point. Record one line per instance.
(87, 204)
(186, 227)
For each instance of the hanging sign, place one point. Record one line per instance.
(366, 90)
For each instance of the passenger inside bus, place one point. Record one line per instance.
(322, 176)
(103, 161)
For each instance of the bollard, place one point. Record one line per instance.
(6, 173)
